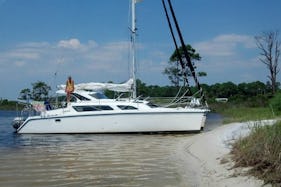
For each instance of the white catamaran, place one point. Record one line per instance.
(91, 112)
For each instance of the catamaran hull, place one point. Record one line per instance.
(116, 123)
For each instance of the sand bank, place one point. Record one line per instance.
(207, 161)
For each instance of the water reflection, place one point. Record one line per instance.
(105, 160)
(91, 160)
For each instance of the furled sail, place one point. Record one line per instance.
(95, 86)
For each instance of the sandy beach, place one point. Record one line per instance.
(208, 161)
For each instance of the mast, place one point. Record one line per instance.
(133, 41)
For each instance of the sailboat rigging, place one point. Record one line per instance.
(183, 46)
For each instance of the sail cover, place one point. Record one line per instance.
(94, 86)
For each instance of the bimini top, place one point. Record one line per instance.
(94, 86)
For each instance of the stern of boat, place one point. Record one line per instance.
(204, 118)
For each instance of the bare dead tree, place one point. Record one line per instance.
(269, 44)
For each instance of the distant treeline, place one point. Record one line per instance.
(243, 92)
(219, 90)
(5, 104)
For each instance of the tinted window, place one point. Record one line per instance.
(83, 108)
(91, 108)
(98, 95)
(152, 105)
(102, 107)
(127, 107)
(80, 97)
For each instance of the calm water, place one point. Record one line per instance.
(91, 159)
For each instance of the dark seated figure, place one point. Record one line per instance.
(47, 105)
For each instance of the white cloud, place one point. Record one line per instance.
(68, 57)
(120, 46)
(92, 43)
(19, 54)
(230, 57)
(34, 45)
(224, 45)
(233, 38)
(72, 43)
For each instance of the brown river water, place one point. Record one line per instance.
(92, 159)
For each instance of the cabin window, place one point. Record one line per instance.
(103, 107)
(92, 108)
(126, 107)
(83, 108)
(152, 105)
(80, 97)
(98, 95)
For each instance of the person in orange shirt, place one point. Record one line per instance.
(69, 88)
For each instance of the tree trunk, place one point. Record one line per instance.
(269, 45)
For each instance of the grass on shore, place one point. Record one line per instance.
(243, 114)
(235, 113)
(261, 151)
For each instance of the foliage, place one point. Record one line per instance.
(40, 92)
(25, 94)
(192, 53)
(174, 71)
(254, 94)
(9, 105)
(275, 103)
(231, 90)
(261, 151)
(156, 91)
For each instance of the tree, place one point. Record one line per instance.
(175, 74)
(25, 94)
(269, 44)
(40, 91)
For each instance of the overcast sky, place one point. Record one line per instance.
(47, 40)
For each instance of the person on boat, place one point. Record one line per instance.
(47, 105)
(69, 88)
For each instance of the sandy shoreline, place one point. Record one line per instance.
(202, 155)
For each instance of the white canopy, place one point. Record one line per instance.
(94, 86)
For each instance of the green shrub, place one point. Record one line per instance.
(275, 103)
(261, 151)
